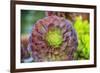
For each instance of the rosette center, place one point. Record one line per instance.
(54, 37)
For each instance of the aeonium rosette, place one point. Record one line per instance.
(52, 39)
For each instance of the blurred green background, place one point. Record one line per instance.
(28, 18)
(82, 27)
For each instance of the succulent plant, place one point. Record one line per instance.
(82, 27)
(24, 51)
(52, 39)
